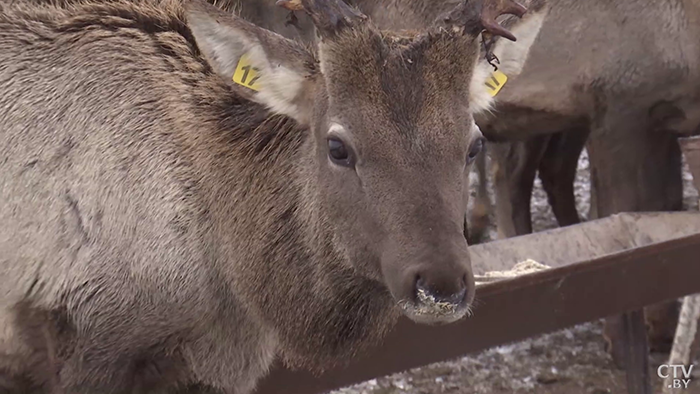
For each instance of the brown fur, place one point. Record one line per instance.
(161, 232)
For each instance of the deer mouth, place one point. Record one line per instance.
(432, 310)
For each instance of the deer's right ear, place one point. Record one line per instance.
(265, 67)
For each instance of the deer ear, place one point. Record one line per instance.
(263, 66)
(511, 55)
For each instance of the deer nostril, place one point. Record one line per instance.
(459, 297)
(419, 283)
(424, 291)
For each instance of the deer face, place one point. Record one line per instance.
(392, 136)
(395, 141)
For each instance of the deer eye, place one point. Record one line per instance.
(475, 149)
(339, 153)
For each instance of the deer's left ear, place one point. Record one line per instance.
(265, 67)
(511, 55)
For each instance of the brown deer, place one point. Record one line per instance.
(186, 196)
(622, 79)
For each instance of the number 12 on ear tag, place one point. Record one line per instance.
(247, 75)
(495, 82)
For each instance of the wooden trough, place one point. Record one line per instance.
(599, 268)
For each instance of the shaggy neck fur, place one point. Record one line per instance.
(288, 272)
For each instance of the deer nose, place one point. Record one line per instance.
(431, 291)
(434, 285)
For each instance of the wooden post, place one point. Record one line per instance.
(636, 352)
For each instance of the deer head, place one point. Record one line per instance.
(391, 134)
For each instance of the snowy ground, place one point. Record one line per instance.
(571, 361)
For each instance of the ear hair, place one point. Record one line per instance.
(264, 66)
(511, 55)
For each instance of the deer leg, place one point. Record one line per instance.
(557, 171)
(479, 214)
(635, 169)
(661, 320)
(515, 168)
(593, 209)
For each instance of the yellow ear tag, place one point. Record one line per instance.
(495, 82)
(247, 75)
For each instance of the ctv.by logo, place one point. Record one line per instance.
(681, 375)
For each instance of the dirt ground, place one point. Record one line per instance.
(571, 361)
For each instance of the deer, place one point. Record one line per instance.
(187, 197)
(625, 92)
(527, 141)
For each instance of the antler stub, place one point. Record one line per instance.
(492, 9)
(329, 16)
(291, 5)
